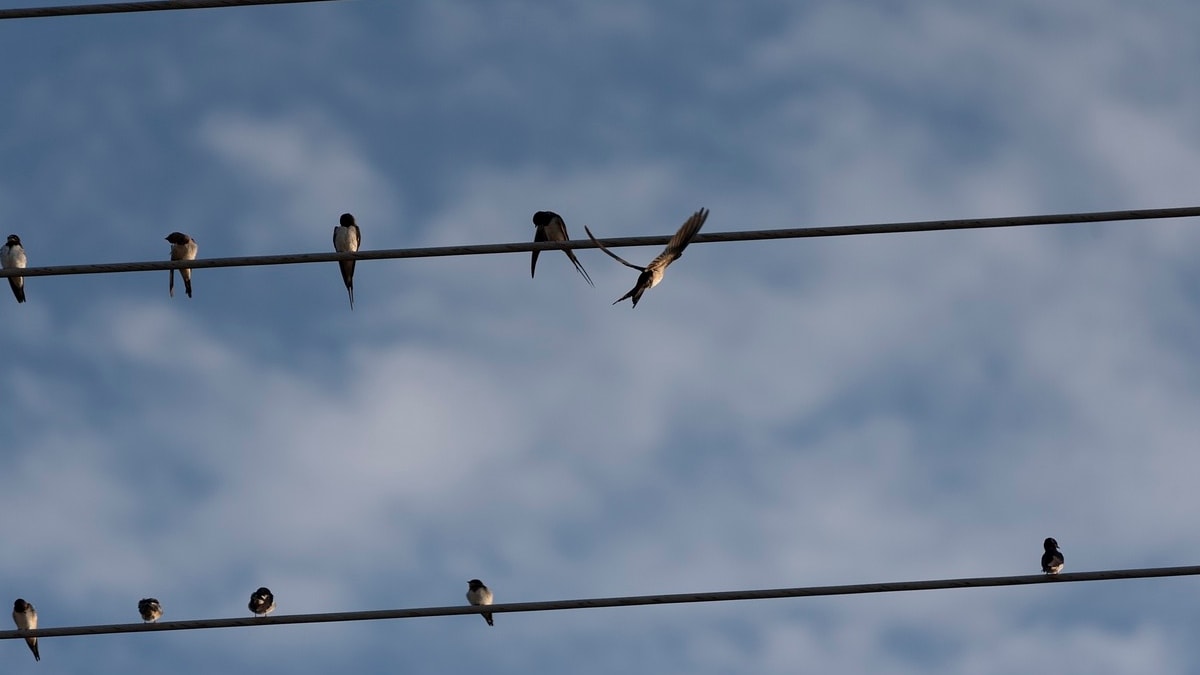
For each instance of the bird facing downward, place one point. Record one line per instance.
(346, 238)
(150, 609)
(262, 601)
(550, 227)
(25, 616)
(1052, 559)
(653, 273)
(12, 254)
(183, 247)
(478, 594)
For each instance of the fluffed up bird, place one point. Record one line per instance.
(262, 602)
(653, 273)
(346, 238)
(150, 609)
(12, 255)
(550, 227)
(25, 616)
(1052, 559)
(478, 594)
(183, 247)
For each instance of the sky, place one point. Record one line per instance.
(773, 414)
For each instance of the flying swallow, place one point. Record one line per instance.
(12, 254)
(346, 238)
(550, 227)
(262, 602)
(25, 616)
(150, 609)
(653, 273)
(183, 247)
(478, 594)
(1052, 559)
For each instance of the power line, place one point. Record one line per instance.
(525, 247)
(596, 603)
(150, 6)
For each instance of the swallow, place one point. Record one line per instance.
(1052, 559)
(550, 227)
(12, 254)
(25, 616)
(653, 273)
(150, 609)
(183, 247)
(262, 602)
(346, 238)
(478, 594)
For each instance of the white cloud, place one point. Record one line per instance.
(785, 413)
(300, 166)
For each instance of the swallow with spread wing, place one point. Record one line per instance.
(653, 273)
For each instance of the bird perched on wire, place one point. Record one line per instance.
(1052, 559)
(262, 601)
(346, 238)
(653, 273)
(150, 609)
(25, 616)
(550, 227)
(183, 247)
(478, 594)
(12, 255)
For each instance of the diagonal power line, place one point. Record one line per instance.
(525, 247)
(597, 603)
(149, 6)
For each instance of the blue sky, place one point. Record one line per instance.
(773, 414)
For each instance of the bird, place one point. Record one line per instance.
(262, 601)
(478, 594)
(653, 273)
(550, 227)
(1052, 559)
(12, 254)
(183, 247)
(346, 238)
(25, 616)
(150, 609)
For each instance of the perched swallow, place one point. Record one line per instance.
(25, 616)
(653, 273)
(550, 227)
(12, 254)
(150, 609)
(478, 594)
(262, 602)
(1052, 559)
(183, 247)
(346, 238)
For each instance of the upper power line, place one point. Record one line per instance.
(596, 603)
(150, 6)
(660, 240)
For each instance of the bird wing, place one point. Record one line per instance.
(560, 234)
(683, 237)
(614, 256)
(538, 235)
